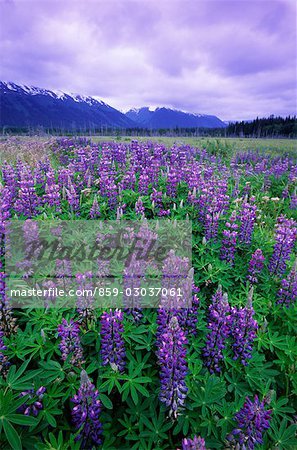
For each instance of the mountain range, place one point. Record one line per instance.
(171, 118)
(26, 106)
(29, 106)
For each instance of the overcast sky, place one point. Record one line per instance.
(235, 59)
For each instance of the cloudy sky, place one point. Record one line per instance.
(235, 59)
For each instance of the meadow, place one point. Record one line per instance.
(219, 373)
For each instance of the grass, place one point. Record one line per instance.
(229, 144)
(31, 149)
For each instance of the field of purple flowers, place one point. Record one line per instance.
(218, 375)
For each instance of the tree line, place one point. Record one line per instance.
(271, 127)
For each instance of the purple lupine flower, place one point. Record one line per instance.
(287, 294)
(212, 203)
(4, 363)
(35, 401)
(172, 181)
(10, 179)
(5, 206)
(63, 272)
(7, 321)
(95, 210)
(72, 197)
(236, 190)
(143, 184)
(108, 188)
(293, 202)
(135, 313)
(70, 344)
(85, 300)
(176, 273)
(52, 195)
(49, 290)
(129, 179)
(112, 343)
(243, 331)
(247, 218)
(211, 224)
(285, 235)
(164, 212)
(27, 201)
(139, 208)
(163, 319)
(39, 176)
(157, 199)
(285, 193)
(256, 265)
(252, 420)
(197, 443)
(86, 413)
(31, 239)
(63, 268)
(188, 317)
(229, 240)
(173, 367)
(219, 325)
(132, 278)
(247, 189)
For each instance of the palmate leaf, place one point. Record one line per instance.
(113, 380)
(187, 420)
(130, 429)
(146, 407)
(209, 423)
(237, 384)
(283, 436)
(9, 405)
(227, 411)
(54, 442)
(52, 370)
(258, 372)
(212, 392)
(280, 409)
(155, 427)
(132, 385)
(17, 381)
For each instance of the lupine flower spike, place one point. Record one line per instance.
(197, 443)
(252, 421)
(285, 235)
(4, 363)
(243, 330)
(112, 343)
(70, 345)
(287, 294)
(256, 265)
(86, 413)
(173, 368)
(229, 240)
(219, 320)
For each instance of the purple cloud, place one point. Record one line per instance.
(235, 59)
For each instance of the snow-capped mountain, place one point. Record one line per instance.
(23, 106)
(170, 118)
(30, 106)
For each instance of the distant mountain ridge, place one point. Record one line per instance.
(29, 106)
(171, 118)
